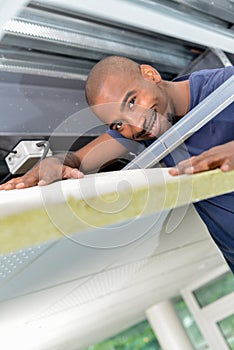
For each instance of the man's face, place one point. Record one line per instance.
(137, 107)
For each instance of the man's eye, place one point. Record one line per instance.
(132, 102)
(119, 125)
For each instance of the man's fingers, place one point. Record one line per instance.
(184, 167)
(227, 165)
(44, 176)
(49, 173)
(194, 165)
(46, 172)
(198, 166)
(72, 173)
(205, 161)
(26, 181)
(7, 186)
(174, 171)
(58, 173)
(20, 182)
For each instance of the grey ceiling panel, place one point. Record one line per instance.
(55, 38)
(53, 33)
(222, 9)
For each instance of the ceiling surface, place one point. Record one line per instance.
(66, 38)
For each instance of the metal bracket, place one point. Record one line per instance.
(25, 155)
(222, 57)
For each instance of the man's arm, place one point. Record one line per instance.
(217, 157)
(71, 165)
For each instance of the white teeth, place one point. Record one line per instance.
(154, 125)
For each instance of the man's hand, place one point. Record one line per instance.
(47, 171)
(217, 157)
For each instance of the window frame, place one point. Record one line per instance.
(207, 317)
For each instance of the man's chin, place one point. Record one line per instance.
(147, 137)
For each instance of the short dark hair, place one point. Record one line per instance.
(111, 65)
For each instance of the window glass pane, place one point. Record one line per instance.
(227, 328)
(215, 289)
(190, 325)
(138, 337)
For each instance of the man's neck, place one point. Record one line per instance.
(180, 94)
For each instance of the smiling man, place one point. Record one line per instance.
(138, 105)
(141, 105)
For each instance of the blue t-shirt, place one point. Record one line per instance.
(217, 212)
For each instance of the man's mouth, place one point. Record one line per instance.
(152, 128)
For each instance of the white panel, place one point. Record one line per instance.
(13, 263)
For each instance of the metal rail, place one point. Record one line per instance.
(9, 9)
(182, 26)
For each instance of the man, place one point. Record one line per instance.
(139, 105)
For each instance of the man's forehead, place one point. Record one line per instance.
(115, 87)
(112, 98)
(107, 112)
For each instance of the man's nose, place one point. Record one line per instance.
(133, 126)
(138, 127)
(136, 120)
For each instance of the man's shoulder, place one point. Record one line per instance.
(216, 73)
(204, 82)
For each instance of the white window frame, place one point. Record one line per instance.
(207, 317)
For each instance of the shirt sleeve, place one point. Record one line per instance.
(132, 146)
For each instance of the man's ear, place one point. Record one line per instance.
(150, 73)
